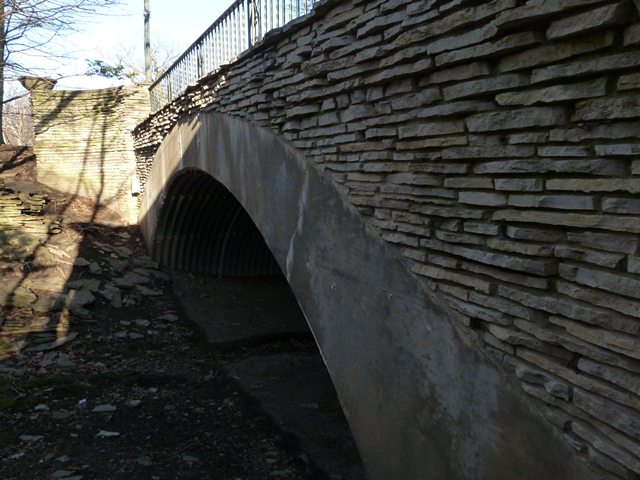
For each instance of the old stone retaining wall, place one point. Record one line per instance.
(495, 143)
(23, 224)
(83, 142)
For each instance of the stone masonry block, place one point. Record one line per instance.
(567, 307)
(543, 267)
(608, 108)
(577, 68)
(623, 419)
(564, 151)
(470, 37)
(560, 371)
(469, 182)
(570, 219)
(555, 93)
(626, 206)
(555, 52)
(629, 81)
(484, 86)
(547, 165)
(615, 305)
(482, 198)
(415, 179)
(618, 149)
(520, 247)
(633, 266)
(536, 10)
(600, 17)
(632, 34)
(476, 311)
(431, 129)
(488, 49)
(502, 305)
(455, 108)
(410, 101)
(564, 202)
(623, 378)
(615, 130)
(302, 110)
(534, 234)
(456, 74)
(434, 142)
(618, 283)
(481, 228)
(605, 241)
(592, 257)
(610, 450)
(470, 15)
(498, 151)
(438, 273)
(516, 119)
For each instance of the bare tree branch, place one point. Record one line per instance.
(30, 27)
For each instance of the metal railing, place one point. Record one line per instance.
(243, 24)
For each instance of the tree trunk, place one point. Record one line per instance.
(2, 64)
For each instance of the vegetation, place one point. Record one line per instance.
(29, 28)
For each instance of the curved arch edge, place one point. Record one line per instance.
(421, 401)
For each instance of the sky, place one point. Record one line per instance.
(174, 26)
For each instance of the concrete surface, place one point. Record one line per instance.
(422, 399)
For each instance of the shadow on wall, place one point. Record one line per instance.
(83, 143)
(38, 254)
(111, 356)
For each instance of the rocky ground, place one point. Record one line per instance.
(103, 377)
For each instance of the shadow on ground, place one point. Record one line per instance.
(103, 377)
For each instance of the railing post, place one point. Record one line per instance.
(253, 8)
(224, 39)
(250, 22)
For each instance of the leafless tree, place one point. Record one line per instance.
(30, 27)
(18, 121)
(162, 56)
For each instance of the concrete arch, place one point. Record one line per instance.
(422, 400)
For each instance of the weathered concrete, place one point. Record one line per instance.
(493, 144)
(422, 399)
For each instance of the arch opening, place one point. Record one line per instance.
(229, 283)
(203, 229)
(395, 358)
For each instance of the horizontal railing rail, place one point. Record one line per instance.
(243, 24)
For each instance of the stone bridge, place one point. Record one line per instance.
(451, 190)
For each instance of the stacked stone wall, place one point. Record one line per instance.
(23, 224)
(83, 142)
(495, 144)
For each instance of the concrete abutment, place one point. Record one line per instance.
(417, 394)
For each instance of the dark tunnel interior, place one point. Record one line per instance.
(203, 229)
(229, 283)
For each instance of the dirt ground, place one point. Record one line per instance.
(106, 378)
